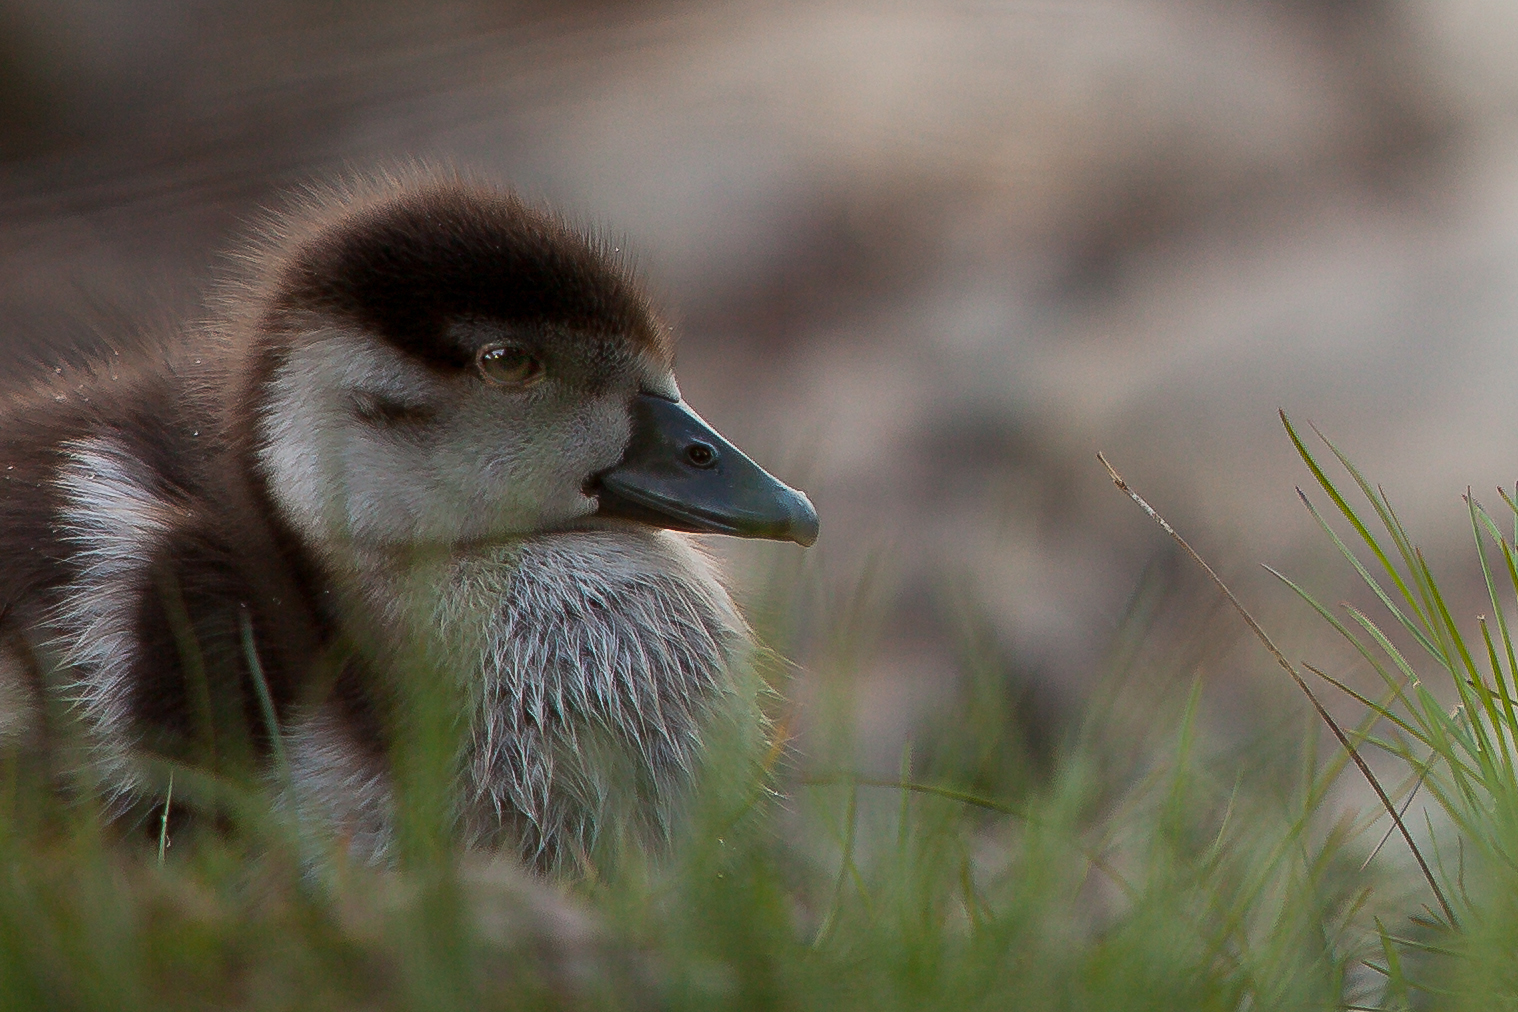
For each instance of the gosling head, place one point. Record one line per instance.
(438, 364)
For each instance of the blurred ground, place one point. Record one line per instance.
(928, 257)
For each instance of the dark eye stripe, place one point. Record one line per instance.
(380, 410)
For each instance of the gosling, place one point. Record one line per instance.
(428, 428)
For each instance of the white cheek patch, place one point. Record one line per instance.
(524, 465)
(481, 464)
(118, 525)
(331, 473)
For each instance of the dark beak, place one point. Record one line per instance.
(679, 474)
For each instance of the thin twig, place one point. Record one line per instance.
(1422, 775)
(1291, 670)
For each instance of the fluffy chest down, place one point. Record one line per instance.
(592, 662)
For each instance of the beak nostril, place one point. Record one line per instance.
(700, 455)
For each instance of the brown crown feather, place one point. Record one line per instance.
(404, 256)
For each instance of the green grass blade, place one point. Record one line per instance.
(1349, 512)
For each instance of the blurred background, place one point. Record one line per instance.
(926, 260)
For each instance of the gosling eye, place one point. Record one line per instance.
(509, 365)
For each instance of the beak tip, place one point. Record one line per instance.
(802, 526)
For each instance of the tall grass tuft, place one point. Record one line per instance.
(1446, 715)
